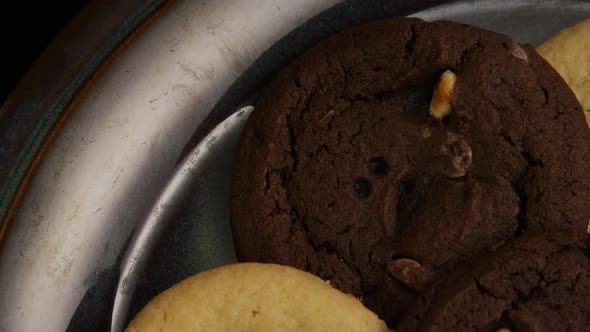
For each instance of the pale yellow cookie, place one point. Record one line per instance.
(568, 52)
(254, 297)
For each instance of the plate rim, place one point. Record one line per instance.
(62, 104)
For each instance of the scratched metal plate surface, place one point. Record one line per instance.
(112, 159)
(117, 149)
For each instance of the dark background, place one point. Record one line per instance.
(26, 28)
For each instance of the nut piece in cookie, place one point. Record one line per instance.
(517, 51)
(409, 272)
(440, 106)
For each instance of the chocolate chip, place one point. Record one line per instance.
(461, 157)
(362, 187)
(378, 166)
(407, 186)
(455, 148)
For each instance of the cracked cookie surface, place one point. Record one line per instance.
(530, 284)
(342, 171)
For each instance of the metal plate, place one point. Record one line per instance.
(209, 243)
(111, 161)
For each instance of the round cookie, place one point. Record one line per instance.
(530, 284)
(568, 52)
(343, 171)
(254, 297)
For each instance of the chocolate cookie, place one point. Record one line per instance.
(530, 284)
(393, 151)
